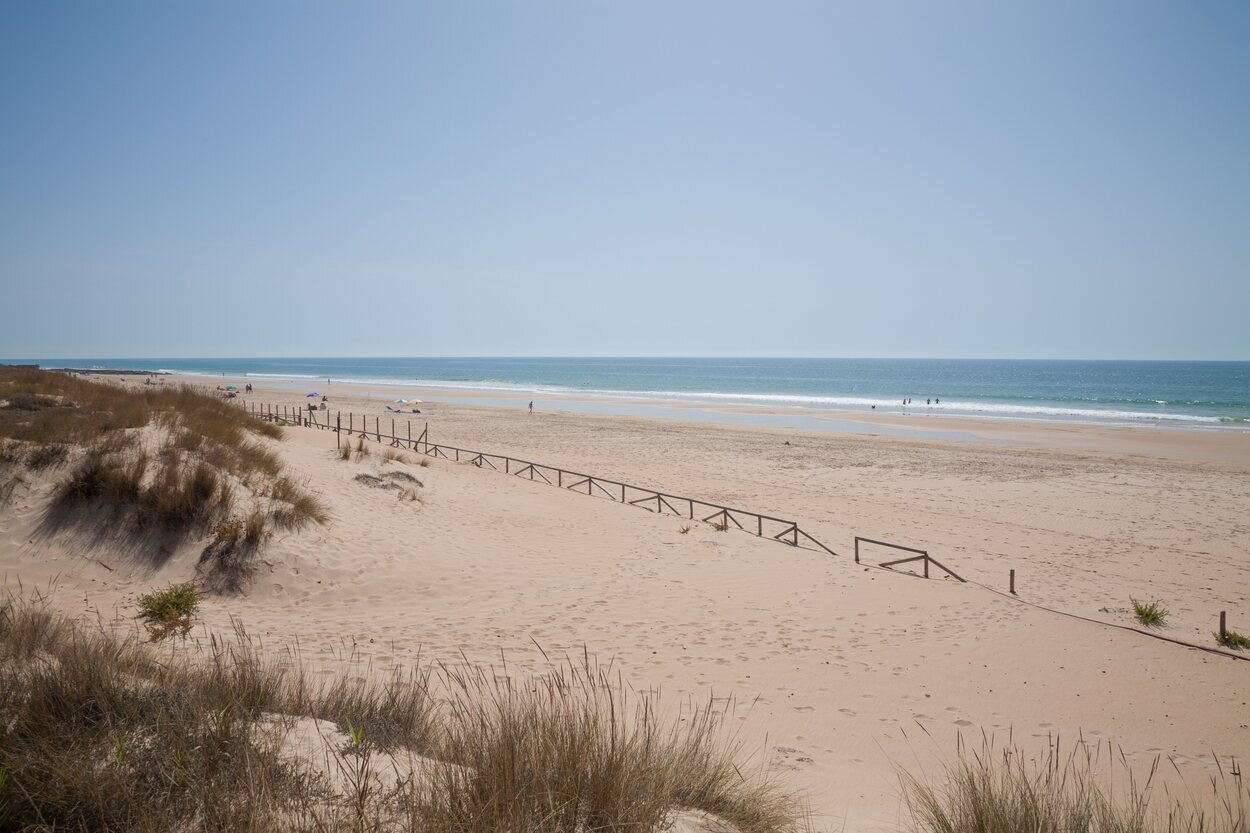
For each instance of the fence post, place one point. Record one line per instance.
(926, 565)
(1013, 582)
(338, 427)
(1223, 626)
(856, 549)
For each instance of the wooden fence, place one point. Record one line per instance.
(653, 500)
(920, 555)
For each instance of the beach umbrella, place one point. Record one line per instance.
(314, 393)
(232, 387)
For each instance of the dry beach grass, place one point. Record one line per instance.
(100, 732)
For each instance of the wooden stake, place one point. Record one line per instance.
(1013, 582)
(1223, 626)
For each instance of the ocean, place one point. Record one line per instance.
(1179, 393)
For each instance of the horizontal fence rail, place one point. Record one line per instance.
(720, 516)
(920, 555)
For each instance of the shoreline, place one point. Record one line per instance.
(1216, 446)
(811, 407)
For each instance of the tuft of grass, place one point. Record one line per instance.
(721, 526)
(11, 453)
(229, 530)
(991, 790)
(393, 456)
(105, 474)
(47, 456)
(1151, 614)
(296, 506)
(8, 485)
(409, 493)
(683, 529)
(1233, 639)
(170, 610)
(254, 529)
(424, 462)
(362, 448)
(183, 493)
(345, 451)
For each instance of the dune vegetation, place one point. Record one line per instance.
(107, 732)
(166, 462)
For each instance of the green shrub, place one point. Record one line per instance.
(1234, 640)
(170, 610)
(1151, 614)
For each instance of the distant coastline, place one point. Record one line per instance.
(1213, 395)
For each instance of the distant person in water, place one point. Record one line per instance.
(928, 402)
(531, 407)
(937, 401)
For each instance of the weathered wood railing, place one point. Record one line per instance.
(920, 555)
(653, 500)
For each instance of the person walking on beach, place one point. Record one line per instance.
(531, 407)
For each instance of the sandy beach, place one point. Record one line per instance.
(838, 672)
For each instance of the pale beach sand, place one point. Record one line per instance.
(839, 672)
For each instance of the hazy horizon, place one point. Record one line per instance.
(224, 357)
(972, 180)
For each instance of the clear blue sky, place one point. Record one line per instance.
(998, 179)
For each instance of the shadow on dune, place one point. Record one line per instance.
(100, 528)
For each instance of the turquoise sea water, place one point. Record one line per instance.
(1196, 394)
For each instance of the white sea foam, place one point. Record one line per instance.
(853, 402)
(1002, 410)
(290, 376)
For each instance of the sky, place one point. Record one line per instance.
(296, 178)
